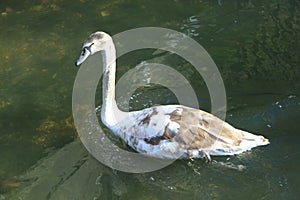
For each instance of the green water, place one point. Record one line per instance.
(255, 45)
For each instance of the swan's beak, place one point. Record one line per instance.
(83, 56)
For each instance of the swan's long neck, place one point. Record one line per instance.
(110, 111)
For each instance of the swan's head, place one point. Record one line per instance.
(94, 43)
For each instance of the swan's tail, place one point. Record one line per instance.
(249, 140)
(246, 142)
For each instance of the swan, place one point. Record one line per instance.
(165, 131)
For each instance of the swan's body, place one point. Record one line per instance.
(169, 131)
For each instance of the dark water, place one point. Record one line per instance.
(255, 45)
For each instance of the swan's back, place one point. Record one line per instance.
(172, 130)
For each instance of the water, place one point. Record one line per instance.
(254, 44)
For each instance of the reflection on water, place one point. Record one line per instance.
(190, 26)
(253, 42)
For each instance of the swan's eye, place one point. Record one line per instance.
(83, 51)
(89, 47)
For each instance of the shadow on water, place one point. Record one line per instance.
(72, 173)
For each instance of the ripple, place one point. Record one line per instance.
(191, 26)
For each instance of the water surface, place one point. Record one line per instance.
(255, 45)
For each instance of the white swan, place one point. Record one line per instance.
(168, 131)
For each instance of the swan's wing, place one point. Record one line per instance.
(199, 130)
